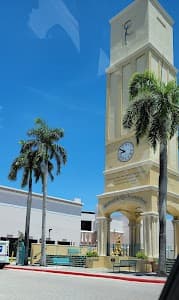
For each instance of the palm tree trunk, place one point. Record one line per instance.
(44, 206)
(27, 223)
(162, 206)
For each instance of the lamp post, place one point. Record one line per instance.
(50, 229)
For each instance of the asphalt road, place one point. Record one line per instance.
(27, 285)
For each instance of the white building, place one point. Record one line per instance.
(63, 217)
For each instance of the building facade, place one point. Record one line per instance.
(141, 39)
(67, 224)
(63, 217)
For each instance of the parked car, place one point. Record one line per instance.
(4, 253)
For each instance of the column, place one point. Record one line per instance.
(138, 237)
(134, 237)
(151, 234)
(176, 235)
(131, 238)
(141, 236)
(103, 235)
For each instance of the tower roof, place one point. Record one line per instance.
(155, 3)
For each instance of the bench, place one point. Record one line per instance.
(63, 261)
(125, 263)
(73, 251)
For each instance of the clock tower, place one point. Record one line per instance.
(141, 39)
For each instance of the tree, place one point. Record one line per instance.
(26, 162)
(44, 141)
(154, 113)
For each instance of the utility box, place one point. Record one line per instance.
(20, 256)
(4, 253)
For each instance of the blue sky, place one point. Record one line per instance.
(52, 59)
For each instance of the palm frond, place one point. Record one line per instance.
(152, 135)
(25, 177)
(44, 140)
(153, 110)
(174, 122)
(143, 82)
(172, 92)
(139, 113)
(15, 167)
(128, 119)
(50, 169)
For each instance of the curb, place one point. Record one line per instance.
(144, 280)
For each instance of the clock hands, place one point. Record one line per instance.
(123, 151)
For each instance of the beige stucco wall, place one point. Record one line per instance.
(141, 152)
(55, 250)
(127, 179)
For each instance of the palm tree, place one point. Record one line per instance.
(26, 162)
(44, 140)
(154, 113)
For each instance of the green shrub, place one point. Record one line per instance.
(91, 254)
(141, 255)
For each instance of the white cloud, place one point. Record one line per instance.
(103, 62)
(51, 13)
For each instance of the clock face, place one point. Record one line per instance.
(126, 151)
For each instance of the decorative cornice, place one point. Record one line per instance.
(127, 167)
(139, 164)
(129, 191)
(148, 46)
(132, 190)
(149, 213)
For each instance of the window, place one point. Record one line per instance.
(86, 225)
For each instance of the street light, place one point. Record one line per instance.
(50, 229)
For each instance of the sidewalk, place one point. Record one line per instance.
(88, 272)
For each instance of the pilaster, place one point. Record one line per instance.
(176, 236)
(134, 237)
(103, 232)
(150, 233)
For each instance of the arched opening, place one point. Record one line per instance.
(119, 234)
(122, 218)
(172, 229)
(170, 252)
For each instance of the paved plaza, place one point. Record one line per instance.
(27, 285)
